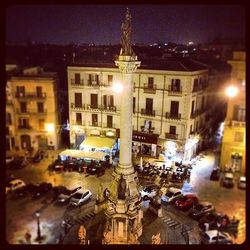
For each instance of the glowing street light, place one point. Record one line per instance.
(232, 91)
(49, 127)
(117, 87)
(38, 226)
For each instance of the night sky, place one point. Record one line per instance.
(100, 24)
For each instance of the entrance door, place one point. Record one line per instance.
(43, 142)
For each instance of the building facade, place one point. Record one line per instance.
(234, 139)
(170, 103)
(31, 110)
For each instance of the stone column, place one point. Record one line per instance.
(127, 66)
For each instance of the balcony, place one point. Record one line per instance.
(24, 127)
(30, 95)
(109, 108)
(147, 112)
(195, 114)
(32, 112)
(77, 107)
(149, 89)
(93, 83)
(235, 123)
(172, 116)
(197, 88)
(106, 84)
(173, 91)
(94, 107)
(81, 83)
(94, 124)
(171, 136)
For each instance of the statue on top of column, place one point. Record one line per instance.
(126, 49)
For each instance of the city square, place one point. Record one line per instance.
(125, 144)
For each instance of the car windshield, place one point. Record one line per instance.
(199, 207)
(77, 196)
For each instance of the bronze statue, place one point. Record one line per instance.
(122, 189)
(126, 36)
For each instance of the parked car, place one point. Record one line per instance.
(186, 202)
(41, 190)
(66, 194)
(149, 192)
(215, 237)
(201, 209)
(228, 180)
(26, 190)
(38, 156)
(56, 191)
(80, 197)
(57, 165)
(14, 184)
(242, 182)
(215, 174)
(9, 159)
(18, 163)
(210, 220)
(171, 195)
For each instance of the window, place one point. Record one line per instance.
(192, 109)
(109, 121)
(175, 85)
(23, 107)
(149, 105)
(78, 118)
(133, 104)
(23, 122)
(151, 82)
(110, 79)
(78, 100)
(77, 78)
(94, 100)
(239, 113)
(203, 103)
(238, 136)
(8, 119)
(147, 124)
(40, 107)
(94, 120)
(20, 90)
(7, 131)
(41, 124)
(195, 84)
(172, 130)
(39, 91)
(174, 108)
(108, 101)
(191, 129)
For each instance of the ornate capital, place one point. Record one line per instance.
(127, 67)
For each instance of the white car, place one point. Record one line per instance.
(149, 192)
(15, 184)
(9, 159)
(242, 182)
(67, 194)
(216, 237)
(80, 197)
(171, 195)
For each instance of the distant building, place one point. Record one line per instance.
(171, 100)
(234, 139)
(31, 109)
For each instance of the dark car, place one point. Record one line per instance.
(201, 209)
(186, 202)
(56, 191)
(210, 220)
(41, 190)
(57, 165)
(18, 163)
(66, 194)
(26, 190)
(40, 154)
(215, 175)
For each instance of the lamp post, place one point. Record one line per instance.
(38, 226)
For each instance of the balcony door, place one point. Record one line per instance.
(172, 130)
(150, 82)
(77, 78)
(149, 105)
(39, 91)
(94, 100)
(78, 100)
(109, 121)
(176, 85)
(174, 108)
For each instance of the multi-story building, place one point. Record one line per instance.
(170, 103)
(31, 110)
(234, 142)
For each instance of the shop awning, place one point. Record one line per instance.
(97, 143)
(83, 154)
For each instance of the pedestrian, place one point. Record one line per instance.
(27, 237)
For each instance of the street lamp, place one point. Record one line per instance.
(232, 91)
(38, 226)
(117, 87)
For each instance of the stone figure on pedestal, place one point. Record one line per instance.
(126, 36)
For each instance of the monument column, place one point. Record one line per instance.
(123, 213)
